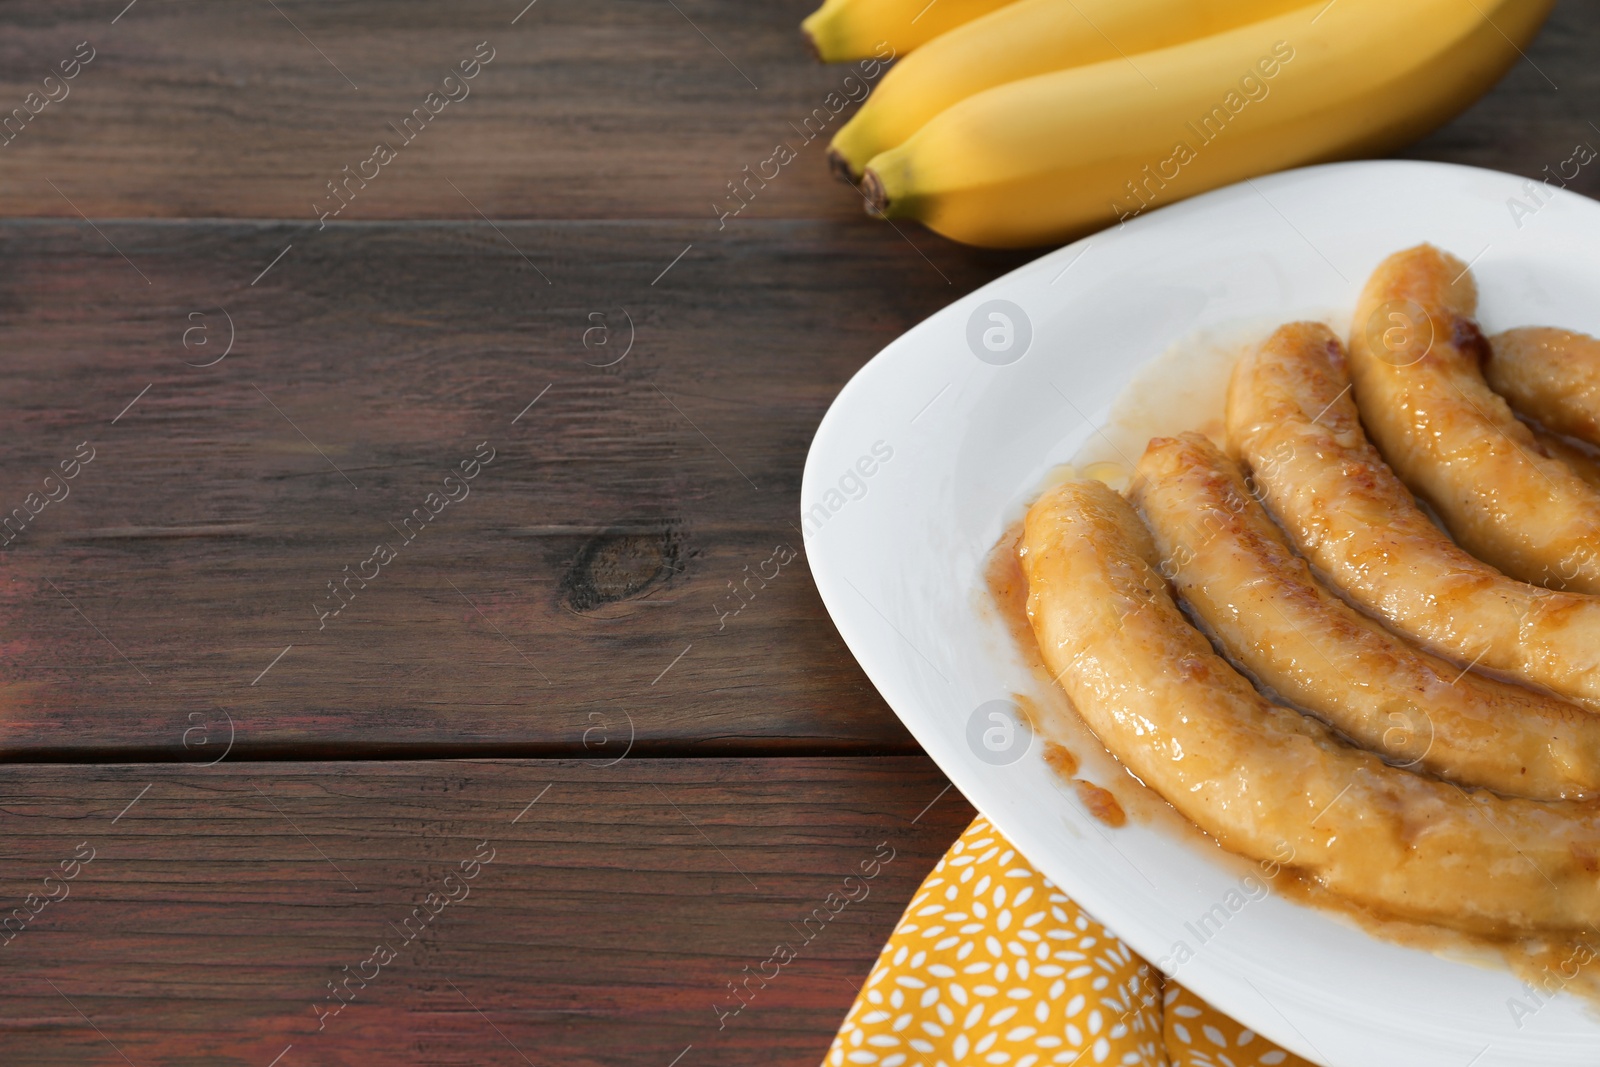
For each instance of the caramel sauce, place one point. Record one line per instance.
(1069, 746)
(1184, 390)
(1060, 759)
(1100, 803)
(1544, 964)
(1008, 592)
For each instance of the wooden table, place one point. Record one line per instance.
(528, 717)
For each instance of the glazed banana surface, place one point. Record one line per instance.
(1416, 359)
(1292, 423)
(1550, 375)
(1235, 571)
(1259, 777)
(1582, 460)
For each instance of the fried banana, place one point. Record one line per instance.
(1416, 361)
(1258, 777)
(1549, 375)
(1291, 422)
(1233, 568)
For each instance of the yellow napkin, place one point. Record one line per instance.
(992, 964)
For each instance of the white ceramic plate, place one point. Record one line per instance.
(898, 546)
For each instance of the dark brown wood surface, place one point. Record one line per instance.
(625, 109)
(576, 585)
(371, 358)
(629, 109)
(615, 911)
(161, 617)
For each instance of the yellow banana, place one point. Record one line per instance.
(1018, 41)
(843, 30)
(1041, 160)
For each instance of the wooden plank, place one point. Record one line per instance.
(219, 903)
(637, 108)
(617, 110)
(584, 582)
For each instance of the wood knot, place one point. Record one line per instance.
(613, 567)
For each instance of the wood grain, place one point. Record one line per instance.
(606, 929)
(572, 603)
(618, 110)
(629, 109)
(583, 584)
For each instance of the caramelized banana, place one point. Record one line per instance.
(1416, 360)
(1550, 375)
(1292, 423)
(1237, 574)
(1582, 459)
(1257, 776)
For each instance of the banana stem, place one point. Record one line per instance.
(877, 196)
(811, 44)
(840, 167)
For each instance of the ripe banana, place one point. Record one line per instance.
(1043, 159)
(842, 30)
(1018, 41)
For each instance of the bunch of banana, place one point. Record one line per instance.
(1045, 119)
(1018, 41)
(843, 30)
